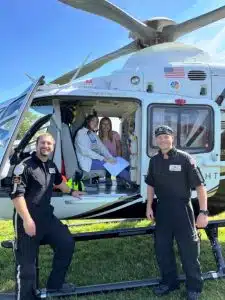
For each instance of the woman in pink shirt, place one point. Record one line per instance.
(111, 139)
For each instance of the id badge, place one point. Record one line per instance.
(175, 168)
(52, 171)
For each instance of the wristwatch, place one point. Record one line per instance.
(204, 212)
(71, 191)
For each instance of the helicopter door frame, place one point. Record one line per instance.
(208, 159)
(16, 116)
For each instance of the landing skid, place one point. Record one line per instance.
(105, 222)
(211, 231)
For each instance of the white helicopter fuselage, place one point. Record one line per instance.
(169, 83)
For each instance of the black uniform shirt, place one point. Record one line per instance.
(173, 177)
(34, 180)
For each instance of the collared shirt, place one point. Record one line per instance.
(34, 180)
(174, 177)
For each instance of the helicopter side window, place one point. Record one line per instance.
(194, 128)
(192, 125)
(166, 116)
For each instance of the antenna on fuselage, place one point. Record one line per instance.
(80, 68)
(33, 80)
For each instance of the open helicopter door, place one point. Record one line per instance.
(12, 114)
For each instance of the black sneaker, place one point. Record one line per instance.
(163, 289)
(121, 183)
(193, 295)
(66, 288)
(131, 186)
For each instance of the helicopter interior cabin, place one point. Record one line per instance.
(66, 118)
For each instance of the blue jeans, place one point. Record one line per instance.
(98, 165)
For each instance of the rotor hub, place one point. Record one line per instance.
(157, 23)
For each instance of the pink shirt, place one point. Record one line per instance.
(111, 146)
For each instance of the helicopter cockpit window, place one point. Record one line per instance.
(192, 125)
(13, 108)
(1, 111)
(8, 116)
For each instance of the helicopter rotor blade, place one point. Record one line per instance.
(110, 11)
(97, 63)
(175, 31)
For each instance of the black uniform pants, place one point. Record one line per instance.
(176, 220)
(48, 231)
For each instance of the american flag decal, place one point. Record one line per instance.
(174, 72)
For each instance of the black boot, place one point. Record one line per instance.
(66, 288)
(163, 289)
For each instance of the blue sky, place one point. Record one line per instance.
(50, 38)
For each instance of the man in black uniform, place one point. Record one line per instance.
(171, 176)
(34, 222)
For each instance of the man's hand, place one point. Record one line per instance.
(29, 227)
(150, 214)
(202, 221)
(77, 194)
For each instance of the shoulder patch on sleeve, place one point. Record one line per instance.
(193, 162)
(18, 170)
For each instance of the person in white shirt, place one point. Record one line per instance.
(91, 152)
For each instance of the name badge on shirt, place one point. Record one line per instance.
(176, 168)
(52, 170)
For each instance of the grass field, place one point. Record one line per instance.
(112, 260)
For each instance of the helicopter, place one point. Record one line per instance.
(162, 82)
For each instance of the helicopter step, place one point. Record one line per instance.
(212, 234)
(110, 287)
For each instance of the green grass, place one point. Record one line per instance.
(112, 260)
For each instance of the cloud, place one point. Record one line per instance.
(212, 45)
(198, 8)
(210, 38)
